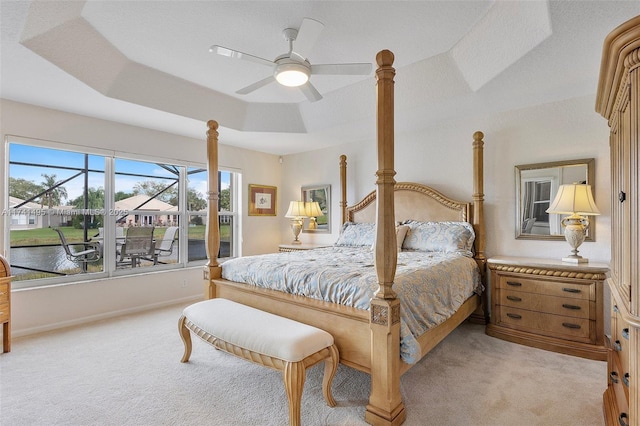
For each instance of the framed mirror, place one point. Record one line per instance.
(536, 187)
(318, 205)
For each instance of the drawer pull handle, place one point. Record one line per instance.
(614, 377)
(514, 283)
(571, 325)
(574, 307)
(571, 290)
(514, 316)
(623, 419)
(625, 379)
(617, 345)
(625, 333)
(514, 298)
(615, 309)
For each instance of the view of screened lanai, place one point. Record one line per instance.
(66, 204)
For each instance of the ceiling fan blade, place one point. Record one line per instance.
(342, 69)
(255, 86)
(225, 51)
(310, 92)
(308, 34)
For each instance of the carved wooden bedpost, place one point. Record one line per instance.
(343, 189)
(478, 197)
(212, 243)
(385, 402)
(481, 314)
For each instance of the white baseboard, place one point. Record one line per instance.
(103, 316)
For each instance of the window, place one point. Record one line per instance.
(53, 189)
(536, 199)
(541, 200)
(138, 215)
(229, 190)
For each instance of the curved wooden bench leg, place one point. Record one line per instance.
(185, 334)
(330, 368)
(294, 375)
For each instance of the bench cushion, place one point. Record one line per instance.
(256, 330)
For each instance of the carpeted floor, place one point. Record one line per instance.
(127, 371)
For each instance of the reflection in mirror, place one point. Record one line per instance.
(536, 187)
(320, 214)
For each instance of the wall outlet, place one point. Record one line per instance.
(184, 283)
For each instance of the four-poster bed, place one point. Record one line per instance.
(369, 339)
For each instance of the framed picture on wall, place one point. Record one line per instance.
(262, 200)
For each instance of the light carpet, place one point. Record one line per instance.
(127, 371)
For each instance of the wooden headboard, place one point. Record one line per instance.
(423, 203)
(413, 201)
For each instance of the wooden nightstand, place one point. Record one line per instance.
(548, 304)
(295, 247)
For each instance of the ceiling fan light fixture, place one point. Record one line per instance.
(292, 74)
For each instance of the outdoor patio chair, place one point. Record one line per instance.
(138, 244)
(165, 248)
(81, 257)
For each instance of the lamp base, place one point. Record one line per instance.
(574, 232)
(296, 227)
(575, 259)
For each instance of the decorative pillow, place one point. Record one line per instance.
(401, 232)
(447, 237)
(357, 234)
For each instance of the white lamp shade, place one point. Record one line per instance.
(313, 209)
(574, 198)
(296, 209)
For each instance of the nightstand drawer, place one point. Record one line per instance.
(579, 308)
(547, 287)
(578, 329)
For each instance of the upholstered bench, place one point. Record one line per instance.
(265, 339)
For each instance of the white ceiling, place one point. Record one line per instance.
(147, 63)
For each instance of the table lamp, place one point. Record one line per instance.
(297, 213)
(576, 200)
(313, 210)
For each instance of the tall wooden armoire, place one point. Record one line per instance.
(618, 101)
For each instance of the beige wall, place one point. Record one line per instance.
(44, 308)
(441, 156)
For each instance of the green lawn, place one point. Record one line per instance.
(30, 237)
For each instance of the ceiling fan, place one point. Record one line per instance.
(293, 69)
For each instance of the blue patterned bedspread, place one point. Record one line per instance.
(430, 285)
